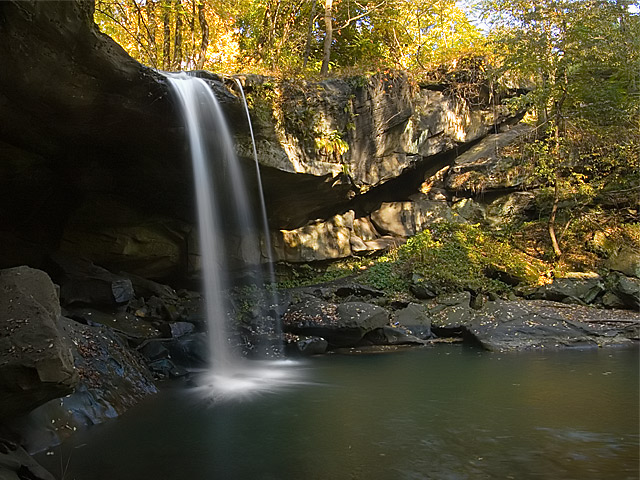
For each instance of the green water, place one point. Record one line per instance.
(448, 412)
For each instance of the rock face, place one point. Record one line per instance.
(388, 123)
(87, 130)
(36, 364)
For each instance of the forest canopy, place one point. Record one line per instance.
(270, 36)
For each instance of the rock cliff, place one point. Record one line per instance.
(93, 156)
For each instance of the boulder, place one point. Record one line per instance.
(177, 329)
(415, 317)
(189, 351)
(320, 241)
(536, 324)
(421, 289)
(571, 290)
(451, 314)
(307, 346)
(36, 364)
(82, 282)
(626, 289)
(146, 288)
(498, 213)
(364, 229)
(126, 324)
(404, 219)
(340, 324)
(112, 379)
(626, 261)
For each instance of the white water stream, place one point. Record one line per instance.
(224, 212)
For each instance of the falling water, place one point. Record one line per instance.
(263, 210)
(223, 207)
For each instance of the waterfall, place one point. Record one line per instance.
(265, 224)
(226, 229)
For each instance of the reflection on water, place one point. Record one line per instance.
(448, 412)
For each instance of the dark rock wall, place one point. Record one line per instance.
(79, 117)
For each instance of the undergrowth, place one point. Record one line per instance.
(452, 257)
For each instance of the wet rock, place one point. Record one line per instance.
(154, 350)
(177, 329)
(416, 319)
(36, 364)
(17, 464)
(112, 379)
(165, 368)
(341, 325)
(307, 346)
(189, 351)
(523, 325)
(391, 335)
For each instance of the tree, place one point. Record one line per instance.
(328, 36)
(288, 36)
(582, 59)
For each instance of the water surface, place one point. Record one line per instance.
(449, 412)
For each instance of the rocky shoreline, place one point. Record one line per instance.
(86, 348)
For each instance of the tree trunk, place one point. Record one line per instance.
(177, 43)
(552, 219)
(166, 32)
(204, 44)
(191, 49)
(328, 37)
(307, 47)
(559, 129)
(151, 20)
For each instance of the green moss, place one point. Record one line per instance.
(453, 257)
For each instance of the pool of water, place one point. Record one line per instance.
(448, 412)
